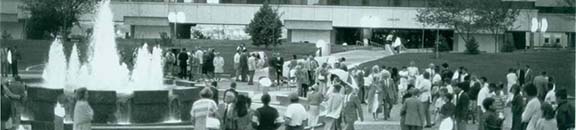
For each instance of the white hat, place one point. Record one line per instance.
(265, 82)
(344, 77)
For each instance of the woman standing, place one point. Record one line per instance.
(83, 113)
(373, 91)
(334, 107)
(218, 64)
(244, 114)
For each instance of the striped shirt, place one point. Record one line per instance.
(201, 110)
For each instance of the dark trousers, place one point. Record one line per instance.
(183, 71)
(362, 93)
(278, 75)
(14, 69)
(304, 90)
(251, 77)
(387, 106)
(480, 119)
(294, 127)
(311, 76)
(409, 127)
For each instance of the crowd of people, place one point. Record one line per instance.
(433, 95)
(9, 59)
(428, 97)
(208, 64)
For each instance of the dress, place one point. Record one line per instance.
(219, 64)
(373, 94)
(83, 115)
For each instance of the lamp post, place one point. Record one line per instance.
(541, 26)
(176, 17)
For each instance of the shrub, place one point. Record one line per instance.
(508, 46)
(198, 35)
(472, 46)
(443, 45)
(165, 40)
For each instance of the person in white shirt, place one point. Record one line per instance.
(236, 72)
(482, 95)
(296, 116)
(511, 79)
(424, 86)
(412, 72)
(551, 94)
(334, 104)
(532, 111)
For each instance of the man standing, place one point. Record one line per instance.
(462, 103)
(244, 65)
(412, 73)
(424, 87)
(482, 95)
(183, 60)
(236, 73)
(296, 115)
(352, 109)
(389, 94)
(209, 64)
(511, 79)
(251, 68)
(277, 63)
(14, 57)
(541, 83)
(312, 65)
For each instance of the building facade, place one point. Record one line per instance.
(334, 21)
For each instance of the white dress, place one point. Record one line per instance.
(219, 64)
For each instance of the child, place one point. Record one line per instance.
(499, 99)
(447, 110)
(439, 103)
(491, 120)
(548, 121)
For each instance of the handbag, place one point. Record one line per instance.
(212, 123)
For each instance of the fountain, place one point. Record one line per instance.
(118, 95)
(103, 69)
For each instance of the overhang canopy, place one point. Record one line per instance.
(308, 24)
(147, 21)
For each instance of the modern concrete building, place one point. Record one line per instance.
(334, 21)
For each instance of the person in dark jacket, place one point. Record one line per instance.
(277, 63)
(565, 111)
(491, 119)
(267, 115)
(244, 66)
(462, 103)
(6, 107)
(183, 60)
(517, 108)
(208, 66)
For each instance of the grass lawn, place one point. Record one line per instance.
(35, 52)
(559, 64)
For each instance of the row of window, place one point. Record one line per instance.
(382, 3)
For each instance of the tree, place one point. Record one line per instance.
(54, 16)
(468, 16)
(265, 28)
(497, 17)
(456, 14)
